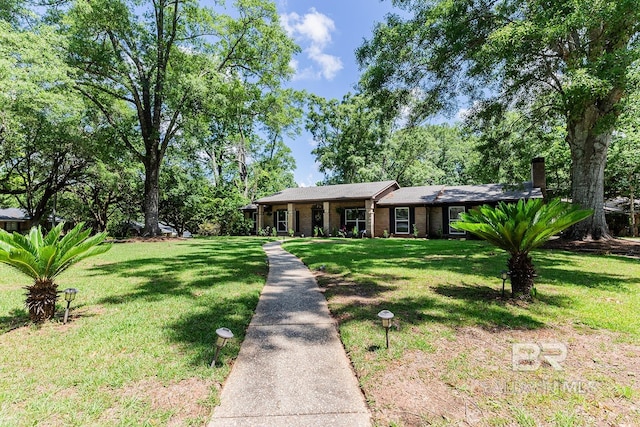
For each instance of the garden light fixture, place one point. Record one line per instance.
(386, 316)
(224, 335)
(69, 295)
(504, 274)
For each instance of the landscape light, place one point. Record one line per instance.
(69, 295)
(504, 274)
(224, 335)
(386, 316)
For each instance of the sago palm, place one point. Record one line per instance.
(43, 258)
(518, 228)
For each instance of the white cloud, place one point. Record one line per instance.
(462, 114)
(313, 29)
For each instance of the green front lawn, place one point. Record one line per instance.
(451, 341)
(140, 339)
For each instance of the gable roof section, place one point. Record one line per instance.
(425, 195)
(365, 190)
(488, 193)
(13, 214)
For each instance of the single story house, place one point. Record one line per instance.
(15, 219)
(380, 208)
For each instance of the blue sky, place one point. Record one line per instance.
(328, 32)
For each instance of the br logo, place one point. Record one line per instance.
(529, 356)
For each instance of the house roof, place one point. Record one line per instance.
(249, 207)
(366, 190)
(13, 214)
(488, 193)
(412, 196)
(439, 194)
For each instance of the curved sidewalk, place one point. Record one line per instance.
(292, 369)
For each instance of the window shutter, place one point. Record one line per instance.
(343, 218)
(297, 221)
(392, 220)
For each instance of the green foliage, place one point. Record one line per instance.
(157, 71)
(146, 313)
(184, 198)
(506, 144)
(46, 139)
(356, 143)
(566, 61)
(43, 258)
(521, 227)
(518, 228)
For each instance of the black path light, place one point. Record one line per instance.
(386, 316)
(224, 335)
(504, 274)
(69, 295)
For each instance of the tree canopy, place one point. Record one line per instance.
(152, 67)
(567, 60)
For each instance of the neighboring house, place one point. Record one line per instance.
(384, 207)
(136, 228)
(15, 219)
(619, 216)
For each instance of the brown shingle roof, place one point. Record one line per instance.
(488, 193)
(425, 195)
(366, 190)
(439, 194)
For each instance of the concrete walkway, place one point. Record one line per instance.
(292, 369)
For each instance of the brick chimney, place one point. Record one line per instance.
(538, 178)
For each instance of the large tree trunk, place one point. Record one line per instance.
(522, 274)
(151, 195)
(588, 160)
(41, 300)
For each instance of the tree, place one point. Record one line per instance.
(349, 136)
(565, 59)
(151, 66)
(43, 258)
(46, 141)
(518, 228)
(505, 146)
(106, 190)
(356, 142)
(183, 198)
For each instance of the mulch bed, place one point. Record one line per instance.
(611, 246)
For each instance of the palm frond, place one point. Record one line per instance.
(523, 226)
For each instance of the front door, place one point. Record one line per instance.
(316, 218)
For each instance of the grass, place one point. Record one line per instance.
(453, 333)
(140, 339)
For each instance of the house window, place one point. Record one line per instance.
(281, 221)
(11, 226)
(402, 220)
(355, 218)
(254, 220)
(454, 215)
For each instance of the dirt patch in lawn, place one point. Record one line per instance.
(471, 380)
(185, 400)
(624, 247)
